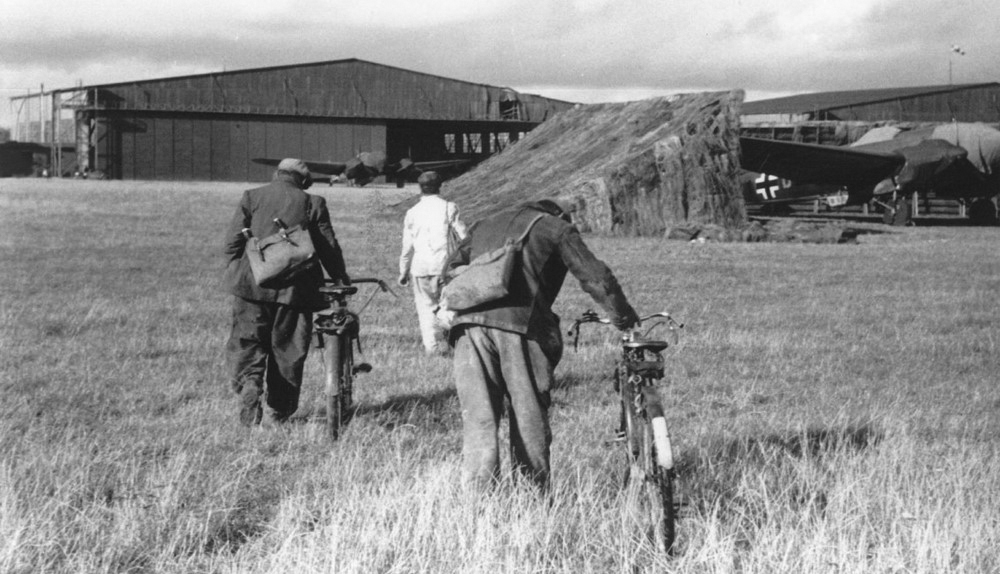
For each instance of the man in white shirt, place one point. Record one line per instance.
(427, 241)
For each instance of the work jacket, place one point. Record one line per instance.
(282, 199)
(426, 230)
(552, 248)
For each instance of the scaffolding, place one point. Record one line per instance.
(58, 119)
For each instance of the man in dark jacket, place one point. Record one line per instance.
(272, 327)
(510, 347)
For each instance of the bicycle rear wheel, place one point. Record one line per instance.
(658, 485)
(650, 459)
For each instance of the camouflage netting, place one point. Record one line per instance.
(635, 168)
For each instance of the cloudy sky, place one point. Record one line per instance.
(578, 50)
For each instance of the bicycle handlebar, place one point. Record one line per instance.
(590, 316)
(382, 285)
(350, 289)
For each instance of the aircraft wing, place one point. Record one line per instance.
(406, 165)
(315, 167)
(441, 164)
(818, 164)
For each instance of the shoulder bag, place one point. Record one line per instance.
(278, 259)
(486, 278)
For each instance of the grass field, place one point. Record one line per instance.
(835, 407)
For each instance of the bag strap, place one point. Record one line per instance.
(448, 240)
(310, 207)
(524, 235)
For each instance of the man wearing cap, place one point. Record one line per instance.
(430, 230)
(271, 328)
(508, 349)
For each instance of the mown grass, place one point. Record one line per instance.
(835, 408)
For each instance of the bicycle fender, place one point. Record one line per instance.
(661, 438)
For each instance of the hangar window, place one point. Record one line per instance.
(474, 143)
(449, 143)
(501, 140)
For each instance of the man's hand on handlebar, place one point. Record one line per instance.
(625, 323)
(630, 333)
(404, 279)
(628, 322)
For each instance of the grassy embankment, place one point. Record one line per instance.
(835, 408)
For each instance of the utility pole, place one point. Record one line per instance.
(955, 49)
(41, 114)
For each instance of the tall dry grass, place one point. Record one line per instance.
(835, 408)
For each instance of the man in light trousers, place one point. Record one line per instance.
(431, 230)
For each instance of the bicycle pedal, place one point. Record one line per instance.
(619, 437)
(361, 368)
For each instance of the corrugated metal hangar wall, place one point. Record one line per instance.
(210, 126)
(962, 103)
(206, 147)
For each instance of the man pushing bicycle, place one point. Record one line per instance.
(510, 347)
(272, 326)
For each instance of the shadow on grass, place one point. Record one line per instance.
(570, 380)
(403, 404)
(255, 507)
(248, 520)
(435, 410)
(752, 479)
(813, 442)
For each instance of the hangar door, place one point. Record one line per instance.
(210, 147)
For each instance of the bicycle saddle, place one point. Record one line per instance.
(647, 345)
(338, 289)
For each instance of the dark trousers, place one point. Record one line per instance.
(492, 365)
(267, 351)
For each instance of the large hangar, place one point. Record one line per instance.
(210, 126)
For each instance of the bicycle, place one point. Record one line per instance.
(337, 333)
(643, 425)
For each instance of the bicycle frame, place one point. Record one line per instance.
(337, 334)
(643, 423)
(641, 367)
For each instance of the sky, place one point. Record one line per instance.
(584, 51)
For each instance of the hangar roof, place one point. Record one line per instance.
(804, 103)
(348, 88)
(280, 68)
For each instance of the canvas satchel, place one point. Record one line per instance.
(278, 259)
(486, 278)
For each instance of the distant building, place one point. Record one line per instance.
(839, 118)
(211, 126)
(963, 103)
(19, 159)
